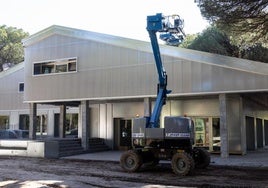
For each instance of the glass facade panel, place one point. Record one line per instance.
(201, 131)
(4, 122)
(71, 125)
(207, 132)
(24, 122)
(216, 137)
(41, 128)
(61, 68)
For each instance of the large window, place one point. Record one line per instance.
(66, 65)
(71, 125)
(201, 131)
(71, 122)
(41, 129)
(207, 132)
(24, 123)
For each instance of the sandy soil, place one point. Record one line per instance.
(38, 172)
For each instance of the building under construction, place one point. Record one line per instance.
(95, 83)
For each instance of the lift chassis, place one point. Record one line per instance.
(175, 140)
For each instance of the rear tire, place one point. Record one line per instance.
(201, 157)
(130, 161)
(182, 164)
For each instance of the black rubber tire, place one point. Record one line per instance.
(182, 164)
(130, 161)
(202, 158)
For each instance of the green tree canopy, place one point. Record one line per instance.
(238, 17)
(255, 52)
(11, 49)
(211, 40)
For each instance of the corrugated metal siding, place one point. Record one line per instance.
(10, 98)
(188, 77)
(107, 71)
(103, 71)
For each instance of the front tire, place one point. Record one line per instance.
(130, 161)
(182, 164)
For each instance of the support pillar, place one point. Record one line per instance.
(147, 107)
(62, 127)
(224, 126)
(33, 121)
(50, 124)
(84, 116)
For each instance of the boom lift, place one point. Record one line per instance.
(175, 141)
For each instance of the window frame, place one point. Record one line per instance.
(54, 67)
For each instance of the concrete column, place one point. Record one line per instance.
(110, 126)
(243, 128)
(14, 120)
(33, 121)
(210, 134)
(84, 117)
(224, 126)
(103, 121)
(147, 106)
(255, 133)
(62, 127)
(50, 124)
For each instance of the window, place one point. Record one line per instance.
(21, 87)
(41, 128)
(71, 125)
(55, 66)
(4, 122)
(201, 131)
(24, 122)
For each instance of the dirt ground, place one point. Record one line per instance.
(60, 173)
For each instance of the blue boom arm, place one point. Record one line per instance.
(157, 23)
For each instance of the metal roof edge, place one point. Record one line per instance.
(84, 34)
(11, 70)
(216, 60)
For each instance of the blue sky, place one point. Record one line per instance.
(126, 18)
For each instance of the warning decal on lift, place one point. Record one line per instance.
(178, 135)
(137, 135)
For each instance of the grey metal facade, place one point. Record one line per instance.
(11, 98)
(110, 67)
(116, 74)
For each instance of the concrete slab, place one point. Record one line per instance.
(98, 156)
(257, 158)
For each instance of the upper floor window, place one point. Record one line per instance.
(21, 87)
(55, 66)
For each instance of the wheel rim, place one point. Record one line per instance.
(130, 162)
(181, 165)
